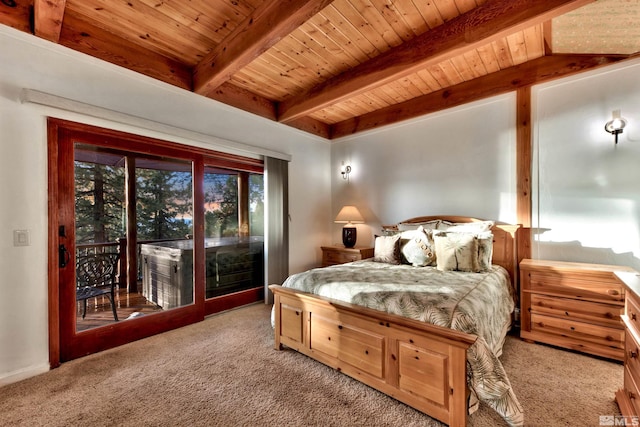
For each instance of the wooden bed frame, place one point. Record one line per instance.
(417, 363)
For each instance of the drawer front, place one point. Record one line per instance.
(337, 257)
(422, 371)
(291, 323)
(576, 287)
(632, 356)
(632, 311)
(342, 340)
(577, 310)
(631, 389)
(601, 335)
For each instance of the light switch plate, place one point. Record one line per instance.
(21, 238)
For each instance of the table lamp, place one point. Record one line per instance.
(349, 215)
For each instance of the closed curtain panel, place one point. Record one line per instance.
(276, 173)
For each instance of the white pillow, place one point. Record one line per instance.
(387, 249)
(466, 227)
(417, 247)
(428, 225)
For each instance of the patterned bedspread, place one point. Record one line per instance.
(475, 303)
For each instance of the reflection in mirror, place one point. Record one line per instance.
(161, 215)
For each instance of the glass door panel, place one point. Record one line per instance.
(256, 205)
(161, 239)
(99, 229)
(234, 257)
(164, 219)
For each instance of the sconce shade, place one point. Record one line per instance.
(345, 171)
(616, 125)
(349, 215)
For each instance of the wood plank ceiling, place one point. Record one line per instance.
(334, 68)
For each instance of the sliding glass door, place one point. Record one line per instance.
(146, 236)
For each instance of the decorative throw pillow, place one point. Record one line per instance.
(417, 248)
(456, 251)
(485, 251)
(387, 249)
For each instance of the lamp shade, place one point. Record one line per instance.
(349, 214)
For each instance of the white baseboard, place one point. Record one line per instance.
(23, 374)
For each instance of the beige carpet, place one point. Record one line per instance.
(225, 372)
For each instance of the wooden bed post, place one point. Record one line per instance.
(523, 170)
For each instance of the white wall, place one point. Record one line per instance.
(456, 162)
(28, 62)
(587, 188)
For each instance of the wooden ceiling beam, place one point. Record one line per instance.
(47, 18)
(245, 100)
(537, 71)
(312, 126)
(267, 25)
(17, 16)
(547, 37)
(480, 26)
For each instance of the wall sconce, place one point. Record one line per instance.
(615, 125)
(345, 171)
(349, 215)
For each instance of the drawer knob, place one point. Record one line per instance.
(613, 292)
(632, 395)
(633, 316)
(633, 353)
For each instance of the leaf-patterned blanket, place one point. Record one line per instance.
(476, 303)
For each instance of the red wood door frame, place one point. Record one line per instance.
(64, 342)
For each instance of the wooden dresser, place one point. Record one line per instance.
(338, 254)
(573, 305)
(628, 397)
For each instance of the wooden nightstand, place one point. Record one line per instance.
(338, 254)
(573, 305)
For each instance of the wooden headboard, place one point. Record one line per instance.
(504, 240)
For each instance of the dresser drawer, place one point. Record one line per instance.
(600, 335)
(631, 390)
(576, 287)
(592, 312)
(633, 314)
(632, 355)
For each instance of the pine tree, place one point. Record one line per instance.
(221, 196)
(163, 200)
(99, 200)
(256, 204)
